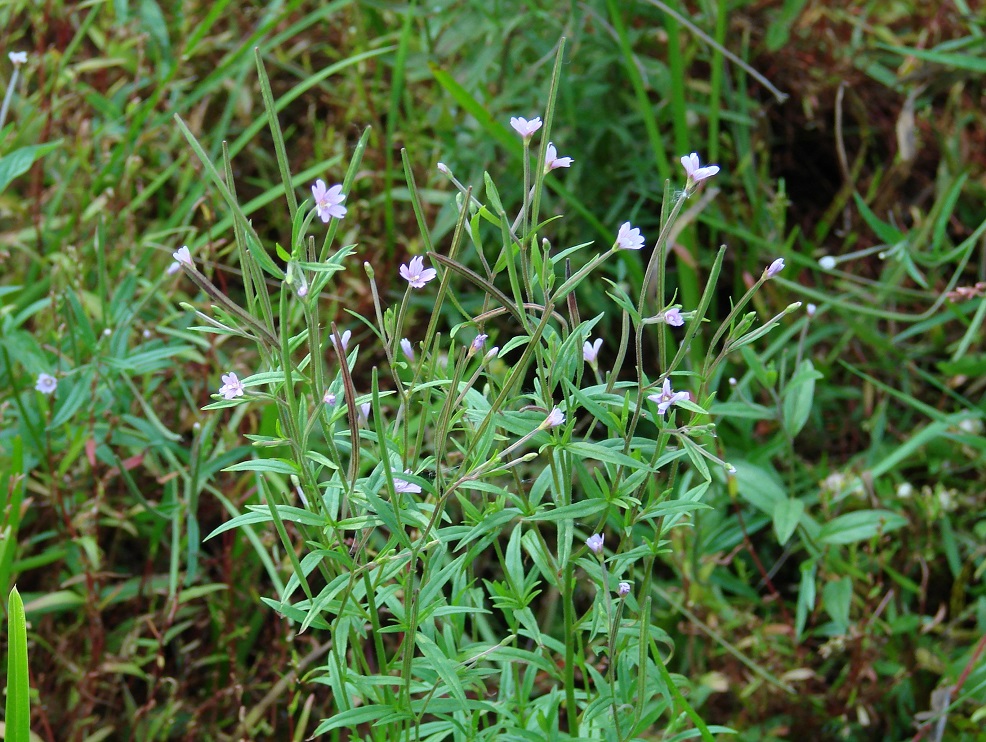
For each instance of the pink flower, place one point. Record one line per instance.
(667, 397)
(552, 161)
(407, 349)
(416, 274)
(673, 317)
(695, 173)
(328, 201)
(181, 256)
(624, 589)
(590, 352)
(401, 485)
(554, 419)
(232, 387)
(774, 268)
(344, 340)
(524, 127)
(329, 398)
(443, 169)
(477, 343)
(46, 384)
(595, 543)
(629, 238)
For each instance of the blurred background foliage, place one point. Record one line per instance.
(854, 131)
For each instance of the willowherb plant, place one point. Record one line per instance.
(478, 527)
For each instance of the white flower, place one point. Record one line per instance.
(524, 127)
(629, 238)
(667, 397)
(328, 201)
(810, 310)
(46, 384)
(407, 349)
(344, 340)
(232, 387)
(695, 173)
(18, 58)
(595, 543)
(590, 352)
(416, 274)
(552, 161)
(364, 412)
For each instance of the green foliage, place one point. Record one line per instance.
(831, 583)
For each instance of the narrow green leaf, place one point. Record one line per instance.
(18, 712)
(860, 526)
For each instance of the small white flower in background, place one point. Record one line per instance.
(524, 127)
(443, 169)
(623, 589)
(303, 290)
(46, 384)
(181, 255)
(595, 543)
(328, 201)
(477, 343)
(407, 349)
(629, 238)
(827, 262)
(696, 173)
(905, 490)
(554, 419)
(492, 353)
(667, 397)
(107, 332)
(552, 161)
(590, 351)
(416, 274)
(673, 317)
(364, 412)
(732, 381)
(329, 398)
(774, 268)
(146, 334)
(401, 485)
(344, 340)
(17, 58)
(232, 387)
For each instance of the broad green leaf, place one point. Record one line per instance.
(837, 600)
(860, 526)
(798, 398)
(18, 162)
(758, 487)
(786, 516)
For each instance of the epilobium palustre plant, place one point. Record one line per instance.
(453, 502)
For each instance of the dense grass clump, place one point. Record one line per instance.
(381, 371)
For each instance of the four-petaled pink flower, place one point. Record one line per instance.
(181, 255)
(695, 173)
(407, 349)
(667, 397)
(232, 387)
(774, 268)
(416, 274)
(552, 161)
(623, 589)
(595, 543)
(401, 485)
(328, 201)
(524, 127)
(590, 351)
(629, 238)
(555, 418)
(673, 317)
(46, 384)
